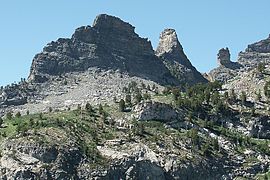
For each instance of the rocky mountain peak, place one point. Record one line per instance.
(224, 57)
(168, 42)
(110, 44)
(170, 48)
(104, 22)
(171, 52)
(262, 46)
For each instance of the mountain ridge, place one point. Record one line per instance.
(110, 44)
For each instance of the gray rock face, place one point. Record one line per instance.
(261, 128)
(109, 44)
(226, 69)
(169, 45)
(156, 111)
(224, 57)
(24, 159)
(171, 52)
(247, 60)
(14, 95)
(255, 53)
(262, 46)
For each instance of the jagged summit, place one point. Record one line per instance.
(112, 44)
(168, 42)
(226, 68)
(109, 44)
(106, 22)
(171, 52)
(262, 46)
(170, 48)
(255, 53)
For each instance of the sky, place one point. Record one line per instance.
(203, 27)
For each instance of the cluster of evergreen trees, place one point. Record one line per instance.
(134, 94)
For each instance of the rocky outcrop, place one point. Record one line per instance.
(140, 162)
(15, 94)
(226, 69)
(262, 46)
(171, 52)
(255, 53)
(109, 44)
(30, 158)
(224, 57)
(156, 111)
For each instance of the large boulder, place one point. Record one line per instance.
(156, 111)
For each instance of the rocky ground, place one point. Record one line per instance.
(94, 86)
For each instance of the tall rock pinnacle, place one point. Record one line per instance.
(171, 52)
(170, 48)
(168, 42)
(224, 57)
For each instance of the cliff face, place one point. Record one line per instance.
(255, 53)
(112, 44)
(109, 44)
(172, 54)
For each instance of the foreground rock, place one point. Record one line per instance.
(23, 158)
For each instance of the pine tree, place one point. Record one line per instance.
(122, 105)
(89, 108)
(146, 96)
(18, 115)
(1, 122)
(226, 96)
(207, 96)
(100, 109)
(267, 89)
(128, 100)
(9, 115)
(233, 96)
(138, 97)
(261, 67)
(243, 97)
(259, 96)
(215, 98)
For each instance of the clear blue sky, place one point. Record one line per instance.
(203, 27)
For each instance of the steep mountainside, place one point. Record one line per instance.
(109, 44)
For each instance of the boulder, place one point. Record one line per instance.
(156, 111)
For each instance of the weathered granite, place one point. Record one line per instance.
(109, 44)
(171, 52)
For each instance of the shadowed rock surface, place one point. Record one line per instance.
(109, 44)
